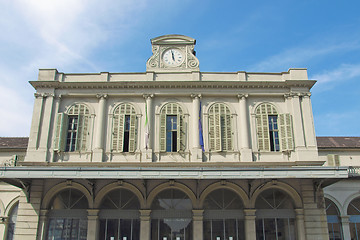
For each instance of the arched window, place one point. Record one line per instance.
(72, 129)
(275, 216)
(119, 216)
(333, 219)
(274, 131)
(124, 129)
(354, 212)
(220, 128)
(223, 216)
(172, 128)
(11, 222)
(68, 216)
(171, 216)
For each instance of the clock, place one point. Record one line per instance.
(173, 57)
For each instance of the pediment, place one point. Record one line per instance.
(172, 39)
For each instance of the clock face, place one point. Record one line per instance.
(173, 57)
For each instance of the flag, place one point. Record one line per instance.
(201, 139)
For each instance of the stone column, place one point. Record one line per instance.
(250, 226)
(43, 224)
(300, 224)
(198, 224)
(345, 224)
(308, 120)
(148, 134)
(36, 122)
(246, 153)
(100, 120)
(145, 229)
(93, 224)
(196, 151)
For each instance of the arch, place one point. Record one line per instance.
(184, 109)
(230, 186)
(274, 104)
(349, 200)
(337, 204)
(226, 103)
(170, 185)
(295, 196)
(91, 109)
(116, 185)
(10, 206)
(62, 186)
(117, 104)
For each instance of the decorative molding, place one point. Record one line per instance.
(241, 96)
(99, 96)
(146, 96)
(193, 95)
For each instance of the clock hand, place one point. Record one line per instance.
(172, 54)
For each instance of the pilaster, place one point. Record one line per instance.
(196, 151)
(300, 225)
(198, 224)
(145, 226)
(99, 137)
(245, 151)
(345, 224)
(149, 138)
(93, 224)
(250, 226)
(43, 224)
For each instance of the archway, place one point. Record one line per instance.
(354, 212)
(333, 219)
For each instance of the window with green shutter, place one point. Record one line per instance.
(172, 128)
(274, 131)
(72, 129)
(124, 128)
(220, 128)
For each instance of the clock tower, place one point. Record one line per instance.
(173, 53)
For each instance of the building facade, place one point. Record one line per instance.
(172, 153)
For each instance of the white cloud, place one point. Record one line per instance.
(342, 73)
(297, 57)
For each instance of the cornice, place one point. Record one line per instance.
(173, 84)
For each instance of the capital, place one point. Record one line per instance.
(147, 96)
(242, 96)
(193, 95)
(101, 96)
(38, 95)
(305, 94)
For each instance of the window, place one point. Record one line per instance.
(68, 216)
(124, 129)
(12, 222)
(172, 128)
(275, 216)
(119, 216)
(354, 212)
(220, 128)
(333, 219)
(223, 216)
(72, 129)
(274, 131)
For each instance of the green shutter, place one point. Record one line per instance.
(163, 132)
(132, 135)
(262, 125)
(181, 133)
(60, 132)
(226, 133)
(215, 128)
(286, 132)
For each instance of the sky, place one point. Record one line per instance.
(76, 36)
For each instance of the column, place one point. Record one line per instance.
(145, 229)
(250, 226)
(93, 224)
(43, 224)
(148, 136)
(246, 153)
(36, 120)
(345, 224)
(308, 119)
(198, 224)
(100, 120)
(300, 224)
(196, 151)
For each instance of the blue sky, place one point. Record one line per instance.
(114, 36)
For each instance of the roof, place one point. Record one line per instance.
(13, 142)
(338, 142)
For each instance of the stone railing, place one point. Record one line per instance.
(354, 171)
